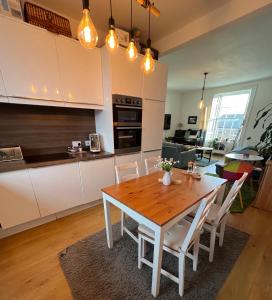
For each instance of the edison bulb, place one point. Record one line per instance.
(201, 104)
(148, 64)
(86, 32)
(112, 41)
(132, 52)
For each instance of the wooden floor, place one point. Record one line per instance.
(29, 267)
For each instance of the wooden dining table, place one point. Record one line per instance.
(159, 207)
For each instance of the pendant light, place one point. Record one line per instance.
(201, 103)
(148, 64)
(112, 41)
(86, 32)
(132, 52)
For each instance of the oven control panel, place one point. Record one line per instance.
(126, 100)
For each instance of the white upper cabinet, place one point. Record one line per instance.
(153, 119)
(155, 84)
(80, 72)
(57, 188)
(17, 200)
(96, 174)
(28, 61)
(126, 76)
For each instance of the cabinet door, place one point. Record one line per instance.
(28, 60)
(95, 175)
(155, 84)
(127, 77)
(123, 159)
(80, 72)
(153, 119)
(57, 188)
(17, 200)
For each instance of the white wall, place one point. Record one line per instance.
(261, 96)
(173, 106)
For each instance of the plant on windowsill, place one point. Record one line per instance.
(166, 166)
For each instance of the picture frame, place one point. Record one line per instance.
(192, 119)
(123, 37)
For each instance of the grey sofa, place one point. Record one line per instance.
(179, 153)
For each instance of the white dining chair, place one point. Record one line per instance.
(178, 240)
(150, 164)
(125, 172)
(218, 216)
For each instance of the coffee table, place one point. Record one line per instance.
(238, 156)
(201, 150)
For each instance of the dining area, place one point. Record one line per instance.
(169, 219)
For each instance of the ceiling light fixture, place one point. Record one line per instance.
(201, 103)
(132, 52)
(148, 64)
(86, 31)
(112, 41)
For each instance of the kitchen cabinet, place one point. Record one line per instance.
(155, 84)
(28, 61)
(126, 76)
(2, 87)
(126, 158)
(96, 174)
(152, 120)
(80, 72)
(57, 188)
(17, 200)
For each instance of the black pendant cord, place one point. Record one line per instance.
(111, 20)
(85, 4)
(204, 84)
(131, 32)
(149, 40)
(110, 9)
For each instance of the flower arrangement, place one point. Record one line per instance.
(166, 165)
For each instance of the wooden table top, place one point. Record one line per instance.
(160, 203)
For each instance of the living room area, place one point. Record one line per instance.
(219, 108)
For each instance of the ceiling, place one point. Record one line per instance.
(174, 13)
(236, 53)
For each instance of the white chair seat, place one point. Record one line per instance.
(173, 237)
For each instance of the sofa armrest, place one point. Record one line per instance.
(185, 157)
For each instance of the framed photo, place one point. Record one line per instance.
(123, 37)
(192, 119)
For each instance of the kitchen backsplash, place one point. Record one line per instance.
(42, 129)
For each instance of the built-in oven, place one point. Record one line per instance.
(127, 123)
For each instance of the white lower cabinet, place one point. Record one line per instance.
(95, 175)
(17, 200)
(57, 188)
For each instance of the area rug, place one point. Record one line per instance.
(95, 272)
(204, 162)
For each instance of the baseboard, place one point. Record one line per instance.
(22, 227)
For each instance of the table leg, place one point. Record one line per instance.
(107, 214)
(210, 156)
(157, 261)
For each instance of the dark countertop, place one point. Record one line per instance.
(50, 160)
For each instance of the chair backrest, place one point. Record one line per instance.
(199, 219)
(125, 172)
(150, 164)
(230, 198)
(235, 170)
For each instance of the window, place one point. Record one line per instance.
(227, 116)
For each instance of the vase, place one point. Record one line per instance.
(166, 180)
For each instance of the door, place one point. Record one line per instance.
(17, 200)
(153, 119)
(155, 84)
(28, 61)
(127, 76)
(95, 175)
(57, 188)
(80, 72)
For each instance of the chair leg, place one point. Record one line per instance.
(222, 232)
(122, 222)
(181, 273)
(143, 248)
(241, 199)
(212, 244)
(140, 249)
(196, 251)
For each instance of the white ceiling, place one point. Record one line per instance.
(238, 52)
(174, 13)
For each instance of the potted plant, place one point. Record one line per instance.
(166, 166)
